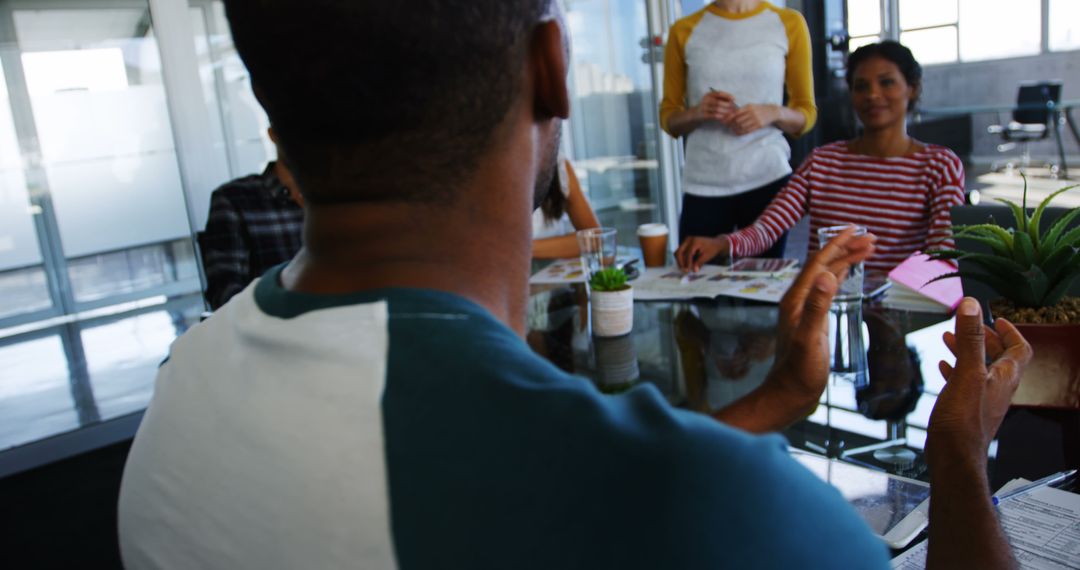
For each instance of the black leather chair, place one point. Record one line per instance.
(1032, 119)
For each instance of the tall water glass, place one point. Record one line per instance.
(846, 341)
(852, 287)
(597, 247)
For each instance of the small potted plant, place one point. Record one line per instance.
(612, 301)
(1031, 268)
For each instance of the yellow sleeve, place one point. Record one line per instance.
(799, 75)
(675, 67)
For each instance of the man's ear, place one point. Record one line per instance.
(548, 62)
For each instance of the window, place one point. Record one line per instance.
(864, 22)
(932, 45)
(918, 14)
(930, 29)
(949, 31)
(97, 268)
(992, 29)
(238, 122)
(1064, 25)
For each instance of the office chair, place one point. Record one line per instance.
(1032, 119)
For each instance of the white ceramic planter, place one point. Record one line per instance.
(612, 312)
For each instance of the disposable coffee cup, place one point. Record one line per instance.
(653, 239)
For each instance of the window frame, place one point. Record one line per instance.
(890, 29)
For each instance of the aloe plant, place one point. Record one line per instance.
(1028, 266)
(608, 279)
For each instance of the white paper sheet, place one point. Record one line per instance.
(1043, 528)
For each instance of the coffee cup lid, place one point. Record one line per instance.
(647, 230)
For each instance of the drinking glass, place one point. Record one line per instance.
(597, 247)
(852, 287)
(846, 341)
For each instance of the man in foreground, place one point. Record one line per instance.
(373, 403)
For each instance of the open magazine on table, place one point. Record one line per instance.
(755, 279)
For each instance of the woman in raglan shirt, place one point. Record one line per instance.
(726, 68)
(900, 189)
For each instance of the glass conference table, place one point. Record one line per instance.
(704, 354)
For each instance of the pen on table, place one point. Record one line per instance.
(1023, 489)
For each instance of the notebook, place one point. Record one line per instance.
(911, 289)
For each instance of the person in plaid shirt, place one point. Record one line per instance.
(255, 223)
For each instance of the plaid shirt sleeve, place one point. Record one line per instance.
(226, 253)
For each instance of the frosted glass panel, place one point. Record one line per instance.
(111, 168)
(227, 89)
(1064, 25)
(18, 241)
(206, 79)
(991, 29)
(117, 203)
(106, 143)
(248, 118)
(86, 125)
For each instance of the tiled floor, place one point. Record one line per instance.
(75, 375)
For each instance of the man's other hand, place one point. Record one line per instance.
(969, 410)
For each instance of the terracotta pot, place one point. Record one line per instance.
(1053, 377)
(612, 312)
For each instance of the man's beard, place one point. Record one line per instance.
(546, 173)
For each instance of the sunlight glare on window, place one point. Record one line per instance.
(991, 29)
(1064, 25)
(48, 72)
(935, 45)
(927, 13)
(864, 17)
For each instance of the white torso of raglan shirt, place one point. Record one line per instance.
(747, 58)
(263, 446)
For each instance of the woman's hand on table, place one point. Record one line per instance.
(697, 250)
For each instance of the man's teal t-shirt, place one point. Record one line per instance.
(498, 459)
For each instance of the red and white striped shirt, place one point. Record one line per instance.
(904, 201)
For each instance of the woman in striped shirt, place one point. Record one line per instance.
(898, 188)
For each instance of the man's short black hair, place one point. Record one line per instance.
(378, 100)
(892, 51)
